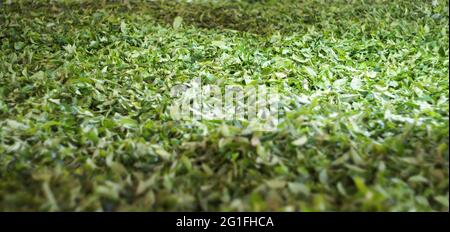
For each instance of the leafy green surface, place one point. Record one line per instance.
(84, 88)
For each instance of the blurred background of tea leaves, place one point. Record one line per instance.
(85, 86)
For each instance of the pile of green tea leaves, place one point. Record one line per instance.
(85, 87)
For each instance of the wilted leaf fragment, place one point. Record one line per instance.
(356, 83)
(127, 123)
(177, 22)
(300, 141)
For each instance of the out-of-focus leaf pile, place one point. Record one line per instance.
(85, 86)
